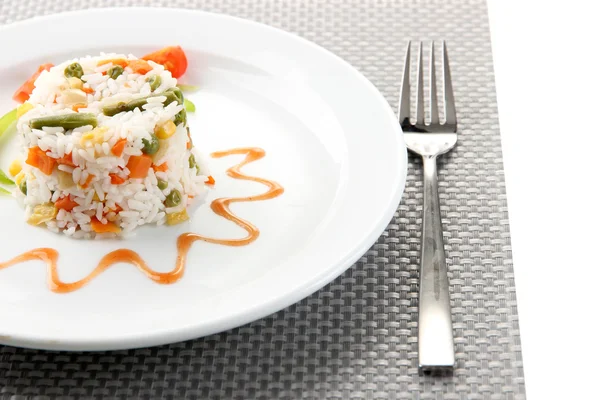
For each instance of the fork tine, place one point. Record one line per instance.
(419, 102)
(450, 108)
(404, 104)
(433, 106)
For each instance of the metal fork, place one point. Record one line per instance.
(429, 140)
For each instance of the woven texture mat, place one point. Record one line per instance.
(357, 337)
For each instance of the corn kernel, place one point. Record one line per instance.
(14, 168)
(165, 130)
(75, 83)
(19, 177)
(95, 136)
(23, 109)
(177, 218)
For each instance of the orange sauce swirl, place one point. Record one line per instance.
(184, 242)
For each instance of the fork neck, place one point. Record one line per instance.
(430, 168)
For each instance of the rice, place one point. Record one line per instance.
(87, 191)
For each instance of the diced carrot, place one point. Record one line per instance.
(67, 159)
(65, 203)
(76, 107)
(210, 180)
(172, 58)
(87, 90)
(22, 94)
(99, 227)
(118, 148)
(115, 61)
(87, 181)
(139, 165)
(140, 66)
(54, 100)
(160, 168)
(118, 209)
(116, 179)
(188, 145)
(39, 159)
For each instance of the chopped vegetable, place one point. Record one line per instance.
(65, 180)
(139, 165)
(162, 184)
(87, 90)
(88, 180)
(22, 94)
(66, 203)
(23, 109)
(121, 62)
(137, 103)
(177, 93)
(154, 82)
(67, 159)
(192, 161)
(180, 118)
(95, 136)
(150, 146)
(5, 180)
(116, 179)
(115, 72)
(23, 186)
(99, 227)
(165, 130)
(118, 148)
(172, 58)
(74, 70)
(67, 121)
(75, 83)
(140, 67)
(7, 121)
(42, 213)
(39, 159)
(15, 167)
(210, 180)
(189, 106)
(73, 96)
(4, 191)
(188, 88)
(164, 167)
(77, 107)
(178, 217)
(173, 199)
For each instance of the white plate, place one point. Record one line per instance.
(331, 139)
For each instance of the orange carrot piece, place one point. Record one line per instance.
(76, 107)
(65, 203)
(22, 94)
(88, 181)
(116, 179)
(139, 165)
(140, 67)
(87, 90)
(160, 168)
(118, 209)
(67, 159)
(118, 148)
(115, 61)
(210, 180)
(39, 159)
(99, 227)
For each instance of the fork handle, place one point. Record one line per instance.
(436, 344)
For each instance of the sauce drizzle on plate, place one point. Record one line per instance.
(184, 242)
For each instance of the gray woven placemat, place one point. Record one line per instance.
(355, 338)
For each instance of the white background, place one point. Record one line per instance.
(548, 83)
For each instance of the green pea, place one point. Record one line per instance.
(115, 71)
(74, 70)
(150, 146)
(180, 118)
(23, 186)
(154, 82)
(173, 199)
(162, 185)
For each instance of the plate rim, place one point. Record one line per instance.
(271, 305)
